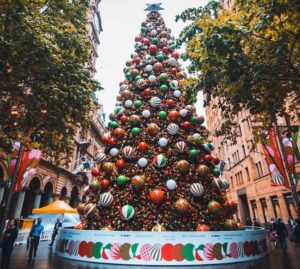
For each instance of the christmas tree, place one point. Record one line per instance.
(157, 172)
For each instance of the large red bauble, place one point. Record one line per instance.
(158, 67)
(173, 115)
(202, 228)
(105, 138)
(216, 160)
(186, 125)
(207, 158)
(137, 60)
(104, 183)
(108, 167)
(120, 163)
(142, 146)
(147, 92)
(170, 103)
(124, 119)
(79, 226)
(152, 48)
(182, 206)
(96, 172)
(138, 39)
(147, 42)
(152, 128)
(165, 50)
(175, 54)
(94, 186)
(119, 132)
(112, 141)
(157, 196)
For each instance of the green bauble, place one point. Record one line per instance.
(143, 29)
(162, 115)
(160, 57)
(163, 77)
(113, 124)
(137, 103)
(128, 75)
(216, 172)
(193, 119)
(135, 131)
(121, 180)
(137, 78)
(112, 117)
(184, 56)
(154, 41)
(164, 88)
(193, 153)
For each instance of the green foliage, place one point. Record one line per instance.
(247, 56)
(45, 74)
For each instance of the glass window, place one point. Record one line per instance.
(247, 173)
(290, 206)
(231, 181)
(238, 155)
(244, 150)
(276, 207)
(264, 209)
(254, 208)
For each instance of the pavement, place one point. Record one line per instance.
(46, 259)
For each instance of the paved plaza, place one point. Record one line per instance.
(46, 259)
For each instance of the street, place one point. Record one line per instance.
(46, 259)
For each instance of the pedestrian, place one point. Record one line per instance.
(255, 223)
(9, 238)
(35, 233)
(291, 223)
(273, 235)
(282, 233)
(297, 231)
(248, 222)
(56, 228)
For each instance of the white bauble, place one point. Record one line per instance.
(142, 162)
(177, 93)
(153, 32)
(163, 142)
(128, 103)
(149, 67)
(172, 61)
(171, 184)
(183, 112)
(196, 136)
(152, 78)
(146, 113)
(134, 54)
(114, 152)
(118, 103)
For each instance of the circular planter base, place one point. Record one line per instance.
(162, 248)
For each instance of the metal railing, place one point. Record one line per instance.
(24, 234)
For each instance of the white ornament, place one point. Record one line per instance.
(152, 78)
(183, 112)
(114, 152)
(135, 54)
(196, 136)
(172, 128)
(128, 103)
(155, 101)
(142, 162)
(163, 142)
(149, 68)
(177, 93)
(118, 103)
(172, 61)
(153, 32)
(171, 184)
(146, 114)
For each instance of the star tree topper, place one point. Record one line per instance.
(154, 7)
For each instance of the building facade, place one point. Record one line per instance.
(247, 171)
(67, 183)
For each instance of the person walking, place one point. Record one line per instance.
(56, 228)
(248, 222)
(282, 233)
(35, 233)
(9, 238)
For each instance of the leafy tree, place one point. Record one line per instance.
(45, 75)
(247, 56)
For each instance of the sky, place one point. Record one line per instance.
(121, 22)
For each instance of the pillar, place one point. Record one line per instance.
(283, 208)
(2, 189)
(37, 200)
(50, 199)
(19, 206)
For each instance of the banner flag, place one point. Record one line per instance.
(29, 162)
(289, 137)
(274, 160)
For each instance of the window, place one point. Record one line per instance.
(276, 207)
(238, 155)
(247, 173)
(244, 150)
(264, 208)
(231, 181)
(237, 179)
(229, 162)
(241, 177)
(259, 169)
(290, 206)
(254, 208)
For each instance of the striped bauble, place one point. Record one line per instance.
(138, 182)
(100, 157)
(183, 166)
(160, 160)
(127, 212)
(155, 101)
(197, 189)
(181, 146)
(172, 128)
(106, 199)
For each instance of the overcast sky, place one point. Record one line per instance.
(121, 21)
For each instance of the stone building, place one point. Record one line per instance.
(66, 183)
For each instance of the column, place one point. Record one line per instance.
(270, 214)
(19, 206)
(51, 198)
(283, 208)
(37, 200)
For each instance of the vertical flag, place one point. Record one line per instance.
(272, 153)
(289, 137)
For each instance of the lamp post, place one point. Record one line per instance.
(11, 189)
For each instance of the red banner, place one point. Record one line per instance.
(272, 153)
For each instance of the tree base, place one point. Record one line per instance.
(162, 248)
